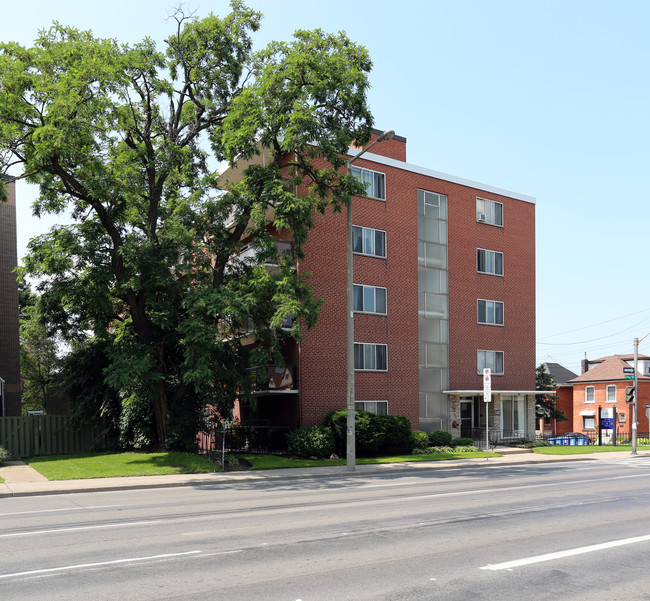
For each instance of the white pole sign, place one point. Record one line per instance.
(487, 385)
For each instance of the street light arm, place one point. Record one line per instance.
(388, 134)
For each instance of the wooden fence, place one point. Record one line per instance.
(50, 435)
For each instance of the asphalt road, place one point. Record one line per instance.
(562, 531)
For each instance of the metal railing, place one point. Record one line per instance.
(500, 438)
(245, 439)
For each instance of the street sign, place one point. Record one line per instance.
(607, 423)
(628, 370)
(487, 384)
(628, 377)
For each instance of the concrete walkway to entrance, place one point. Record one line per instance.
(22, 480)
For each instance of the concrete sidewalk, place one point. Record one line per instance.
(22, 480)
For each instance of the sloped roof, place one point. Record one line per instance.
(608, 369)
(560, 374)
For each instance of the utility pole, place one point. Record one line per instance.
(636, 395)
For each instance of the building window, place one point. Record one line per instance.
(490, 312)
(588, 422)
(489, 211)
(621, 418)
(590, 394)
(489, 261)
(432, 205)
(370, 299)
(370, 357)
(374, 182)
(377, 407)
(367, 241)
(611, 393)
(491, 359)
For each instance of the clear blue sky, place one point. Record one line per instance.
(548, 98)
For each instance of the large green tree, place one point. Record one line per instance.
(127, 139)
(546, 404)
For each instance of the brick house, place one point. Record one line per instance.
(602, 384)
(444, 284)
(9, 340)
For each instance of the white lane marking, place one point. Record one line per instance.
(78, 508)
(507, 565)
(506, 488)
(75, 528)
(96, 564)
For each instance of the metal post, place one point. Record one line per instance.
(636, 395)
(351, 459)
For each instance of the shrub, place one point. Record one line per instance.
(440, 438)
(463, 442)
(4, 455)
(468, 448)
(311, 441)
(368, 432)
(396, 430)
(419, 441)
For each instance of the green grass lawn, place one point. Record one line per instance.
(107, 465)
(269, 462)
(585, 450)
(1, 479)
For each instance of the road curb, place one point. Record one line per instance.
(30, 489)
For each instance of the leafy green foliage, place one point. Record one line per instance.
(369, 434)
(546, 405)
(5, 455)
(396, 434)
(462, 442)
(126, 138)
(311, 441)
(419, 440)
(440, 438)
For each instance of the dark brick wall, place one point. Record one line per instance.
(9, 341)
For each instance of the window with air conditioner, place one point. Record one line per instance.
(489, 211)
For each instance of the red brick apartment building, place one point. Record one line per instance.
(9, 341)
(444, 285)
(602, 384)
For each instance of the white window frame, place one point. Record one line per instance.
(370, 356)
(490, 359)
(371, 179)
(621, 418)
(490, 311)
(365, 235)
(367, 291)
(610, 388)
(588, 419)
(489, 211)
(372, 406)
(489, 261)
(592, 390)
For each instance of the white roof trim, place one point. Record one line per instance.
(376, 158)
(588, 413)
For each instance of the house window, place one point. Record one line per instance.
(370, 299)
(370, 357)
(588, 422)
(491, 359)
(490, 312)
(489, 261)
(374, 182)
(590, 394)
(377, 407)
(367, 241)
(621, 418)
(489, 211)
(611, 394)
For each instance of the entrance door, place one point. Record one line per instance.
(466, 418)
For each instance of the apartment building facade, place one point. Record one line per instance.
(444, 286)
(9, 340)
